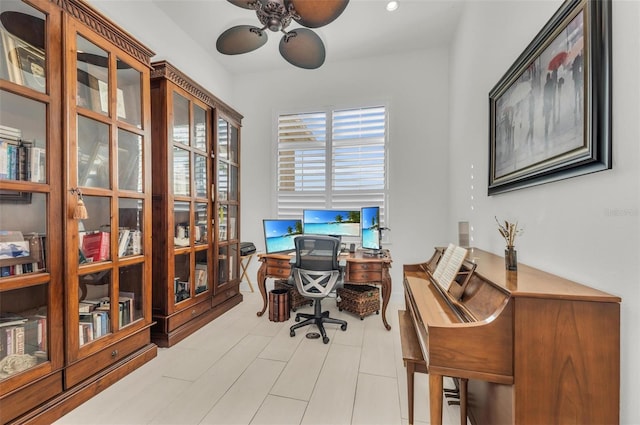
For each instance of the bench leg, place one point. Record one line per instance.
(435, 399)
(463, 401)
(410, 388)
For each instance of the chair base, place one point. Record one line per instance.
(319, 318)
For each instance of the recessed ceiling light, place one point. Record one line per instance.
(392, 5)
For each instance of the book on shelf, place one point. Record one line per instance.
(35, 334)
(11, 340)
(96, 246)
(11, 319)
(124, 235)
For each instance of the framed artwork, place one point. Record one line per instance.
(550, 114)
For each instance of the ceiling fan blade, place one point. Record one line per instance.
(26, 27)
(242, 3)
(303, 48)
(314, 14)
(241, 39)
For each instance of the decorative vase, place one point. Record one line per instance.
(511, 258)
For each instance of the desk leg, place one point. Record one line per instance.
(386, 295)
(435, 399)
(262, 285)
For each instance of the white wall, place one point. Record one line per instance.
(414, 86)
(586, 228)
(153, 28)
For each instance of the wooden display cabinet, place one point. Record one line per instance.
(184, 273)
(75, 295)
(227, 205)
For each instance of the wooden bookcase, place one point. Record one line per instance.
(186, 290)
(75, 110)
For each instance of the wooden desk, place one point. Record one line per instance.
(360, 269)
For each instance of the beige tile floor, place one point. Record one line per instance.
(244, 369)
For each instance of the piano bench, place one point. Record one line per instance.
(414, 362)
(411, 354)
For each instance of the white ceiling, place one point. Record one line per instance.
(364, 29)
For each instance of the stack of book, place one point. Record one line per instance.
(20, 159)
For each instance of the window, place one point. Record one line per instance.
(333, 159)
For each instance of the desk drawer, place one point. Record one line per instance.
(278, 262)
(282, 272)
(364, 272)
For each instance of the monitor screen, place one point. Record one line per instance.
(280, 233)
(370, 219)
(332, 222)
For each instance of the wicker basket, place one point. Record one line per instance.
(295, 299)
(361, 300)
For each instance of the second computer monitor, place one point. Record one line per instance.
(332, 222)
(370, 223)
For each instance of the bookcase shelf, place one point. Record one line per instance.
(187, 289)
(65, 307)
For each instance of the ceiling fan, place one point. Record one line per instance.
(300, 46)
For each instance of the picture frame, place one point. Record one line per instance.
(536, 138)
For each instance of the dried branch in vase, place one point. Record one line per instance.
(509, 231)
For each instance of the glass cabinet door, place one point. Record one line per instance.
(108, 194)
(189, 169)
(30, 225)
(228, 201)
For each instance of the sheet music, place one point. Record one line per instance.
(437, 273)
(449, 265)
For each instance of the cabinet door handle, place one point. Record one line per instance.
(114, 353)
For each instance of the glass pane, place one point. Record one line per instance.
(223, 181)
(129, 161)
(130, 218)
(233, 183)
(23, 230)
(200, 220)
(181, 168)
(223, 265)
(93, 153)
(222, 222)
(201, 176)
(182, 277)
(180, 119)
(200, 124)
(94, 306)
(23, 322)
(93, 76)
(130, 300)
(181, 220)
(233, 222)
(93, 233)
(233, 144)
(223, 139)
(23, 133)
(23, 56)
(128, 94)
(234, 269)
(202, 271)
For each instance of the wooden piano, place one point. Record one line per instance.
(534, 347)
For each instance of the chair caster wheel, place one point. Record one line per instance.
(343, 327)
(325, 339)
(292, 333)
(297, 319)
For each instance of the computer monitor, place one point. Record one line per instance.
(332, 222)
(370, 223)
(279, 234)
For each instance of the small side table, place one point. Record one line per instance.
(245, 260)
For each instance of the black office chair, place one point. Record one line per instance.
(316, 273)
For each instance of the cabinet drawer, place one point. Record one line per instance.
(279, 271)
(112, 354)
(182, 317)
(365, 267)
(225, 294)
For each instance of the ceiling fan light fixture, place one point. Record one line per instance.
(392, 6)
(300, 47)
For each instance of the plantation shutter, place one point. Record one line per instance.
(331, 160)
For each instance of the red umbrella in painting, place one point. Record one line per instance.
(557, 61)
